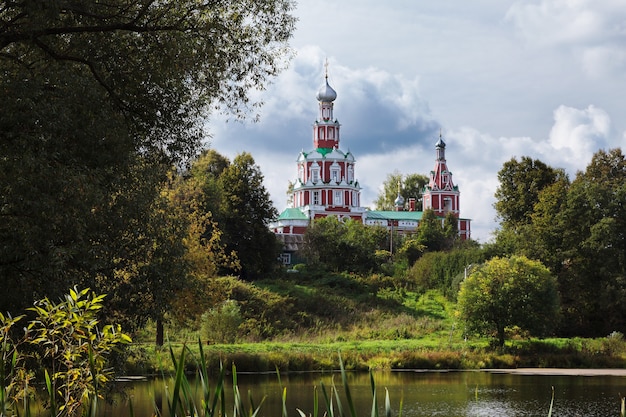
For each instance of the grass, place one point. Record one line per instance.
(428, 353)
(300, 321)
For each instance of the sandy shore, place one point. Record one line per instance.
(560, 371)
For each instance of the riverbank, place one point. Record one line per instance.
(561, 371)
(579, 354)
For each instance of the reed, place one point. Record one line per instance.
(181, 400)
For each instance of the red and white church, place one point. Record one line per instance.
(326, 185)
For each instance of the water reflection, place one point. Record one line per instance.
(463, 394)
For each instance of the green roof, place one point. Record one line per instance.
(394, 215)
(322, 151)
(292, 214)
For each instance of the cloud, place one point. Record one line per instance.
(569, 22)
(391, 105)
(594, 31)
(577, 134)
(603, 61)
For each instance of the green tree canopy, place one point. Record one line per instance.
(593, 249)
(507, 292)
(246, 212)
(98, 100)
(520, 185)
(343, 245)
(411, 186)
(430, 232)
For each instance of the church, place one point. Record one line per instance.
(326, 185)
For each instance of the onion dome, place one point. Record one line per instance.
(440, 143)
(399, 201)
(326, 93)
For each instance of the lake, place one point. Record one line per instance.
(450, 394)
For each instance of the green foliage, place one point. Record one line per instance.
(506, 292)
(66, 340)
(520, 185)
(98, 101)
(344, 246)
(410, 251)
(430, 232)
(444, 270)
(410, 185)
(576, 229)
(221, 324)
(245, 213)
(265, 313)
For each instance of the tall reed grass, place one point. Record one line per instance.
(181, 400)
(213, 404)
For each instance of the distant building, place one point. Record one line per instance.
(326, 185)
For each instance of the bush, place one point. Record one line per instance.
(613, 344)
(70, 346)
(221, 324)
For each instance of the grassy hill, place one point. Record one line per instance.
(302, 321)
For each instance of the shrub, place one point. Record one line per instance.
(221, 324)
(67, 341)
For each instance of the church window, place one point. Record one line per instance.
(316, 198)
(338, 200)
(315, 173)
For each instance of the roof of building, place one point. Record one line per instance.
(291, 243)
(292, 214)
(394, 215)
(326, 93)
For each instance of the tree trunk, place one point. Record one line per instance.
(159, 332)
(501, 336)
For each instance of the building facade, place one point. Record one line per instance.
(326, 185)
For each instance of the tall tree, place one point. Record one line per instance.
(520, 185)
(99, 98)
(506, 292)
(246, 212)
(343, 245)
(430, 232)
(593, 278)
(411, 186)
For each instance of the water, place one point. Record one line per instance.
(450, 394)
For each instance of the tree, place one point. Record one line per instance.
(507, 292)
(245, 213)
(204, 252)
(593, 276)
(410, 187)
(430, 232)
(451, 229)
(343, 245)
(520, 185)
(99, 99)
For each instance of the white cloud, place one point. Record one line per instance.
(604, 61)
(578, 134)
(569, 21)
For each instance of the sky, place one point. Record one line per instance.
(498, 79)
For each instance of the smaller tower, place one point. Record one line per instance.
(441, 195)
